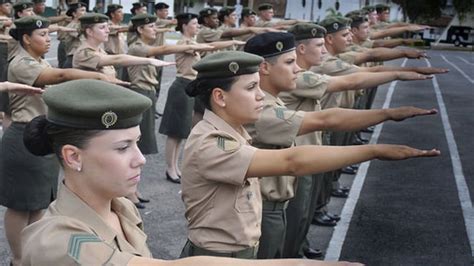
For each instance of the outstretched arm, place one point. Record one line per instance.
(130, 60)
(385, 54)
(364, 80)
(18, 88)
(341, 119)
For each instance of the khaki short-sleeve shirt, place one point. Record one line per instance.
(160, 36)
(117, 42)
(72, 40)
(310, 88)
(243, 38)
(87, 57)
(185, 61)
(142, 76)
(72, 233)
(334, 66)
(276, 128)
(264, 23)
(223, 207)
(25, 69)
(208, 35)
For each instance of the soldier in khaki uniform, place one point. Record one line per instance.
(5, 24)
(219, 186)
(91, 223)
(117, 41)
(265, 18)
(72, 40)
(90, 56)
(29, 189)
(307, 97)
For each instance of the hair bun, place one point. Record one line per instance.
(35, 137)
(192, 89)
(14, 33)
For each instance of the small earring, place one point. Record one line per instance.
(78, 169)
(223, 105)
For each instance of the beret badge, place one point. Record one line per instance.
(335, 25)
(209, 12)
(234, 67)
(39, 23)
(314, 31)
(109, 119)
(147, 20)
(25, 6)
(279, 46)
(96, 19)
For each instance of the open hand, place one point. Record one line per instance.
(409, 75)
(431, 70)
(160, 63)
(19, 88)
(401, 152)
(402, 113)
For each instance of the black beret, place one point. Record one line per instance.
(270, 44)
(381, 8)
(265, 6)
(208, 11)
(22, 5)
(227, 64)
(303, 31)
(335, 23)
(93, 18)
(136, 6)
(38, 1)
(187, 16)
(5, 2)
(73, 7)
(368, 9)
(112, 8)
(31, 23)
(247, 12)
(143, 19)
(161, 5)
(94, 104)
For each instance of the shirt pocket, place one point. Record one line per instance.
(246, 198)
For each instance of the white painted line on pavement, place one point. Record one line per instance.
(465, 61)
(338, 237)
(463, 190)
(458, 69)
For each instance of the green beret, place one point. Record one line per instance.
(335, 23)
(186, 16)
(143, 19)
(381, 8)
(93, 18)
(368, 9)
(208, 11)
(31, 23)
(357, 19)
(270, 44)
(94, 104)
(112, 8)
(225, 11)
(73, 7)
(161, 5)
(227, 64)
(265, 6)
(22, 5)
(247, 12)
(5, 2)
(303, 31)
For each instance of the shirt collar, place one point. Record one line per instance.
(220, 124)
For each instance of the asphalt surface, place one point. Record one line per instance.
(407, 213)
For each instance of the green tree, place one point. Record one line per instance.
(421, 9)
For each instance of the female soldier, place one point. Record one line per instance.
(89, 56)
(177, 116)
(72, 39)
(29, 183)
(144, 77)
(92, 127)
(220, 188)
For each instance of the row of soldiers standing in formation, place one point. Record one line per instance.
(332, 64)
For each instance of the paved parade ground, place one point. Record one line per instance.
(414, 212)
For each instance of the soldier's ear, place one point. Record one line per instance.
(301, 49)
(218, 97)
(71, 156)
(265, 68)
